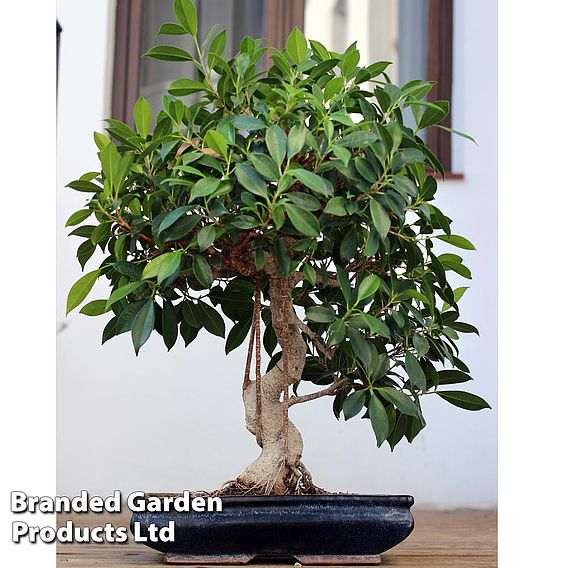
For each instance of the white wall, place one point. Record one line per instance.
(169, 421)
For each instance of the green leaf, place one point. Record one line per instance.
(452, 377)
(81, 289)
(399, 429)
(309, 274)
(142, 116)
(122, 292)
(182, 227)
(463, 327)
(265, 166)
(296, 139)
(457, 241)
(110, 330)
(216, 141)
(186, 15)
(464, 400)
(344, 284)
(459, 292)
(313, 181)
(349, 62)
(320, 314)
(125, 318)
(296, 46)
(206, 237)
(259, 259)
(368, 287)
(361, 348)
(377, 68)
(365, 170)
(249, 179)
(110, 160)
(100, 140)
(357, 139)
(414, 294)
(379, 420)
(211, 320)
(303, 221)
(85, 252)
(336, 206)
(402, 401)
(435, 112)
(373, 324)
(452, 131)
(202, 271)
(380, 218)
(191, 314)
(143, 325)
(162, 266)
(420, 344)
(84, 185)
(183, 87)
(78, 217)
(188, 333)
(319, 50)
(353, 404)
(169, 325)
(250, 123)
(204, 187)
(336, 332)
(171, 29)
(332, 88)
(237, 335)
(217, 47)
(168, 53)
(171, 217)
(94, 308)
(276, 143)
(342, 153)
(415, 372)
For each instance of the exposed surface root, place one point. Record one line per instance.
(298, 482)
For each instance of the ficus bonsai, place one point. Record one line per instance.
(294, 196)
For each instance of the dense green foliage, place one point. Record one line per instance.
(309, 163)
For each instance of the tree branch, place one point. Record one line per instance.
(329, 391)
(331, 281)
(315, 339)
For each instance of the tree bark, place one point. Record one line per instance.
(278, 470)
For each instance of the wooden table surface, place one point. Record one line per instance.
(460, 539)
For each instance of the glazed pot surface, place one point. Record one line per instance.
(302, 527)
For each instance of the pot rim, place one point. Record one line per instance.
(392, 500)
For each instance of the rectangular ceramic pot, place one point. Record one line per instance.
(313, 529)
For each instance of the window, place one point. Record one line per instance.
(415, 35)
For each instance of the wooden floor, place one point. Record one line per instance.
(460, 539)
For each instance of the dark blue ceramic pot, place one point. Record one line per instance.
(313, 529)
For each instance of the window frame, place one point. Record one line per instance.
(126, 70)
(440, 70)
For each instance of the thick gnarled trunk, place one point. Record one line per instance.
(278, 469)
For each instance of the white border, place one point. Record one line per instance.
(533, 156)
(27, 280)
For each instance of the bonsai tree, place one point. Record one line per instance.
(296, 201)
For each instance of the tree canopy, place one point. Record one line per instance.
(315, 166)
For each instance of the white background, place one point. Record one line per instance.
(170, 421)
(531, 152)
